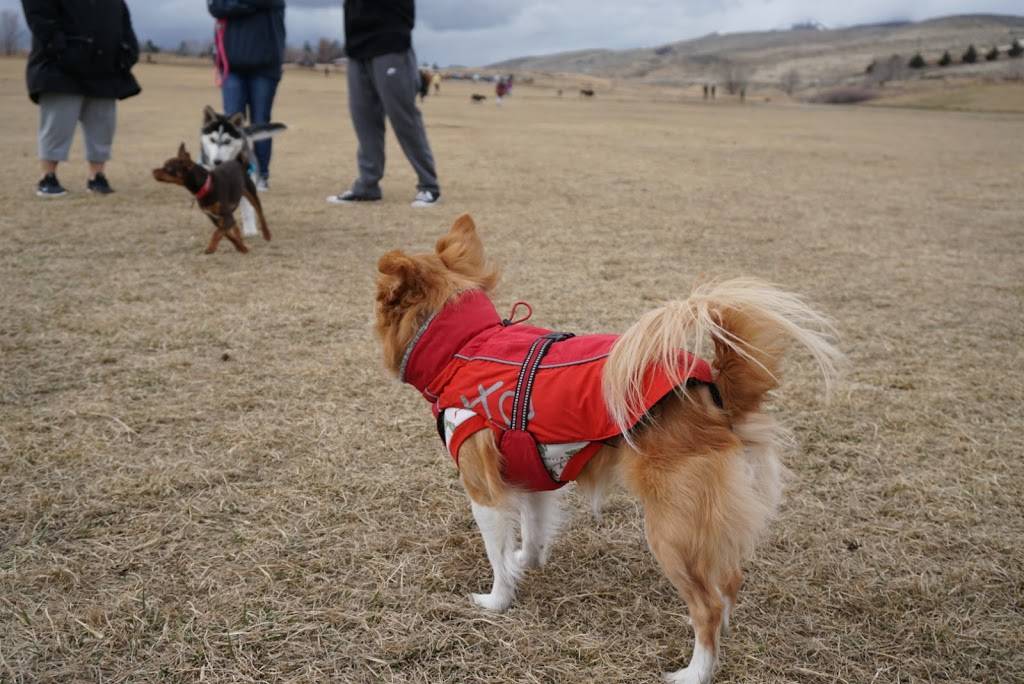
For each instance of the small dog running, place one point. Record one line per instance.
(218, 192)
(524, 410)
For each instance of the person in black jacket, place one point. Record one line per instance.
(383, 80)
(250, 44)
(80, 65)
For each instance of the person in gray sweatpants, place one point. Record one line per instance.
(80, 65)
(383, 80)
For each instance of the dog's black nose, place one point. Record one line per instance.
(216, 162)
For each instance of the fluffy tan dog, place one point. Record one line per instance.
(701, 457)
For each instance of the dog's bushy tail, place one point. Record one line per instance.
(748, 323)
(264, 131)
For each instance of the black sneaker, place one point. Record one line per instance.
(349, 197)
(99, 185)
(49, 186)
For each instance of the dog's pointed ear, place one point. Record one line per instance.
(461, 247)
(401, 276)
(462, 251)
(209, 114)
(237, 119)
(182, 152)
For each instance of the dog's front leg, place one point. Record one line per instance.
(214, 241)
(540, 518)
(235, 237)
(498, 530)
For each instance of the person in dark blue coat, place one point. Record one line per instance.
(80, 65)
(250, 52)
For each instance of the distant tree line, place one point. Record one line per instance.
(891, 68)
(325, 52)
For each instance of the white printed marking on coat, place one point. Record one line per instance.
(392, 71)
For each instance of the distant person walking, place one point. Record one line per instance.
(501, 89)
(79, 67)
(250, 39)
(383, 80)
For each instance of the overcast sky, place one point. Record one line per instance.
(477, 32)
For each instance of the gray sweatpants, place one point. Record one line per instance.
(387, 85)
(58, 115)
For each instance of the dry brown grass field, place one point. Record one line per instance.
(205, 475)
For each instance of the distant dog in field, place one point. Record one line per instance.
(223, 137)
(477, 98)
(218, 192)
(524, 410)
(586, 92)
(424, 87)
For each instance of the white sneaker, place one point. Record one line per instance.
(262, 185)
(426, 198)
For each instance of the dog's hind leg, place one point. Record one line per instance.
(701, 515)
(498, 529)
(540, 518)
(248, 218)
(730, 590)
(675, 544)
(249, 193)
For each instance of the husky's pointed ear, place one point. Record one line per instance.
(182, 152)
(209, 114)
(462, 251)
(237, 119)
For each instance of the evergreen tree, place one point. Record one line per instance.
(946, 59)
(971, 56)
(916, 62)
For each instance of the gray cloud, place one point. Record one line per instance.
(483, 31)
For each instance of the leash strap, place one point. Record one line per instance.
(221, 67)
(527, 375)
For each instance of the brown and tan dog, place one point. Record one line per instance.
(218, 192)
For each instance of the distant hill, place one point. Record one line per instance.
(821, 56)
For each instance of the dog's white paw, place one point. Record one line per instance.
(494, 602)
(688, 675)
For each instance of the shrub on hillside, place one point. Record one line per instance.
(1016, 49)
(735, 76)
(888, 69)
(992, 55)
(916, 62)
(971, 56)
(946, 59)
(844, 95)
(790, 81)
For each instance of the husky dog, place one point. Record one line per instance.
(224, 138)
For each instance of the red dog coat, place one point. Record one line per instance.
(538, 391)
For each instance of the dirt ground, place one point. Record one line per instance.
(205, 475)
